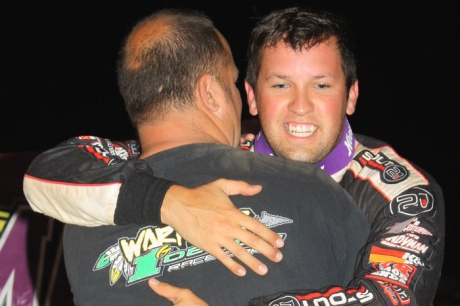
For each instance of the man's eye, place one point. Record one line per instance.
(281, 86)
(322, 86)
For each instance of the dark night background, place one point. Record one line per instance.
(58, 77)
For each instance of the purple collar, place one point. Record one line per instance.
(335, 161)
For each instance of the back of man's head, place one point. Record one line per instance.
(162, 59)
(300, 29)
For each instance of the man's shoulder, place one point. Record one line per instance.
(378, 152)
(378, 163)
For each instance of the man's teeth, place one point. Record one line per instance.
(300, 130)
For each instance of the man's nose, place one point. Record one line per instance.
(301, 103)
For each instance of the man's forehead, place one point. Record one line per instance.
(304, 48)
(317, 62)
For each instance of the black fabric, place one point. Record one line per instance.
(322, 228)
(142, 202)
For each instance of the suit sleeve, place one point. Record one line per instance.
(92, 181)
(402, 260)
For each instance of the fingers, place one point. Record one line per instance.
(228, 262)
(206, 217)
(231, 187)
(268, 249)
(262, 232)
(242, 254)
(246, 258)
(247, 230)
(163, 289)
(178, 296)
(253, 244)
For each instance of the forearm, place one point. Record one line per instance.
(91, 181)
(140, 199)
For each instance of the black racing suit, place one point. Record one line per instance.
(400, 265)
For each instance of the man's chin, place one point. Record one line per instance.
(301, 157)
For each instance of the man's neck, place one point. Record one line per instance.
(175, 132)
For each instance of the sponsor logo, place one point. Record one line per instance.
(408, 242)
(133, 148)
(396, 273)
(348, 142)
(288, 300)
(334, 296)
(156, 250)
(412, 202)
(391, 172)
(396, 294)
(106, 151)
(394, 173)
(411, 226)
(379, 255)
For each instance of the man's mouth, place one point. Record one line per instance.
(300, 130)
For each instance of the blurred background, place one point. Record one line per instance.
(58, 78)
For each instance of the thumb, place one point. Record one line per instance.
(163, 289)
(231, 187)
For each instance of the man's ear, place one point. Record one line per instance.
(207, 92)
(353, 94)
(251, 98)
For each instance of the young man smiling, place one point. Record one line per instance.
(301, 97)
